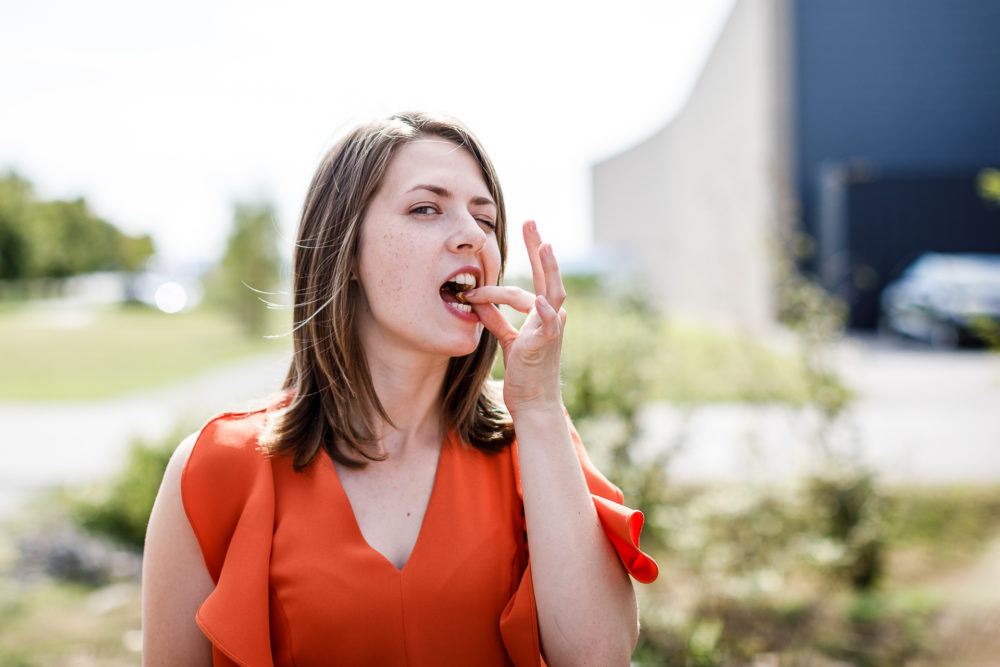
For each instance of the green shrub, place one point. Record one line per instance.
(849, 510)
(120, 508)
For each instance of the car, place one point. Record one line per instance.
(946, 300)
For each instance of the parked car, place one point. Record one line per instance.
(946, 299)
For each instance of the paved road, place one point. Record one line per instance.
(921, 415)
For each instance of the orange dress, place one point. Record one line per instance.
(297, 584)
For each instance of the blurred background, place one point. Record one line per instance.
(780, 225)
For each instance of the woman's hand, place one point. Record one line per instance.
(531, 354)
(586, 606)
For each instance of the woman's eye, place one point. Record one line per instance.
(424, 210)
(489, 224)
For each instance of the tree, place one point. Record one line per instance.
(251, 264)
(15, 196)
(58, 239)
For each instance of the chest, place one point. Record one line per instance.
(389, 500)
(328, 580)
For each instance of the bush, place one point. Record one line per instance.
(120, 509)
(788, 569)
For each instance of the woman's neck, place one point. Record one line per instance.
(409, 388)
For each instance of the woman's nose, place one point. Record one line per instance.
(469, 234)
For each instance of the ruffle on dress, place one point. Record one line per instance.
(233, 520)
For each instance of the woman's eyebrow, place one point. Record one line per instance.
(444, 192)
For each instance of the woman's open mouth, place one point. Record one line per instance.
(453, 291)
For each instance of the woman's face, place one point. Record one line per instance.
(430, 224)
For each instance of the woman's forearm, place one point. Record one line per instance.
(586, 605)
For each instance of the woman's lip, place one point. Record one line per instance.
(459, 313)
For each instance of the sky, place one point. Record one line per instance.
(164, 114)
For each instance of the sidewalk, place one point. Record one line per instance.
(47, 444)
(919, 416)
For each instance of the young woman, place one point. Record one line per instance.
(392, 507)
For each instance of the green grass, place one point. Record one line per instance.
(701, 365)
(944, 519)
(33, 610)
(49, 353)
(45, 621)
(611, 348)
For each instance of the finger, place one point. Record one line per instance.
(549, 317)
(515, 297)
(493, 319)
(555, 291)
(532, 241)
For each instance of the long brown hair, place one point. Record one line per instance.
(333, 404)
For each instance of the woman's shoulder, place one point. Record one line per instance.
(226, 448)
(231, 438)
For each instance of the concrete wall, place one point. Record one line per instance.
(693, 209)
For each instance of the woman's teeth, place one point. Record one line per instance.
(464, 307)
(464, 281)
(457, 286)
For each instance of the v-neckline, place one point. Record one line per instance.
(445, 446)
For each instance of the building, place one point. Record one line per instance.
(863, 122)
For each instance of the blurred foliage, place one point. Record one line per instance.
(120, 509)
(815, 316)
(847, 510)
(251, 266)
(58, 239)
(792, 570)
(745, 569)
(747, 541)
(987, 330)
(988, 183)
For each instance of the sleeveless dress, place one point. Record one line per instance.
(297, 584)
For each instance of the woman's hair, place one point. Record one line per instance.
(333, 403)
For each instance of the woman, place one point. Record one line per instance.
(381, 511)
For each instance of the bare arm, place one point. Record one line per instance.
(586, 605)
(174, 579)
(587, 611)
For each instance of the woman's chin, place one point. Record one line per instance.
(463, 351)
(462, 348)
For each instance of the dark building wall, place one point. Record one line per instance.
(904, 83)
(893, 220)
(897, 86)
